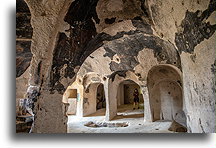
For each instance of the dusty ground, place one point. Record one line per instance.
(134, 118)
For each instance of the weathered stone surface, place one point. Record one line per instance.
(23, 37)
(72, 50)
(176, 127)
(195, 29)
(72, 39)
(106, 124)
(23, 56)
(24, 33)
(46, 20)
(23, 18)
(197, 56)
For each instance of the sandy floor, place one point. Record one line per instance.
(134, 118)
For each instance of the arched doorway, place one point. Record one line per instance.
(100, 99)
(164, 84)
(94, 102)
(125, 92)
(125, 100)
(166, 100)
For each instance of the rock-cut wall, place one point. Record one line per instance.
(24, 33)
(65, 33)
(190, 26)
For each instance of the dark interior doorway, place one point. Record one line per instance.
(100, 100)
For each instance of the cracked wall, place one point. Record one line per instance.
(128, 36)
(165, 93)
(24, 33)
(192, 30)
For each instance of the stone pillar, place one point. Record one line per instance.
(106, 93)
(147, 109)
(51, 114)
(111, 97)
(80, 97)
(50, 111)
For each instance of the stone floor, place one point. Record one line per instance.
(134, 118)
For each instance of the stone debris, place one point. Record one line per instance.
(106, 124)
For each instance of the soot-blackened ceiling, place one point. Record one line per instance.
(195, 29)
(83, 40)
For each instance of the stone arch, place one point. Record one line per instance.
(101, 100)
(164, 84)
(90, 99)
(24, 32)
(69, 53)
(74, 103)
(90, 78)
(124, 88)
(86, 86)
(112, 85)
(90, 83)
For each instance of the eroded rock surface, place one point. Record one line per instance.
(105, 41)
